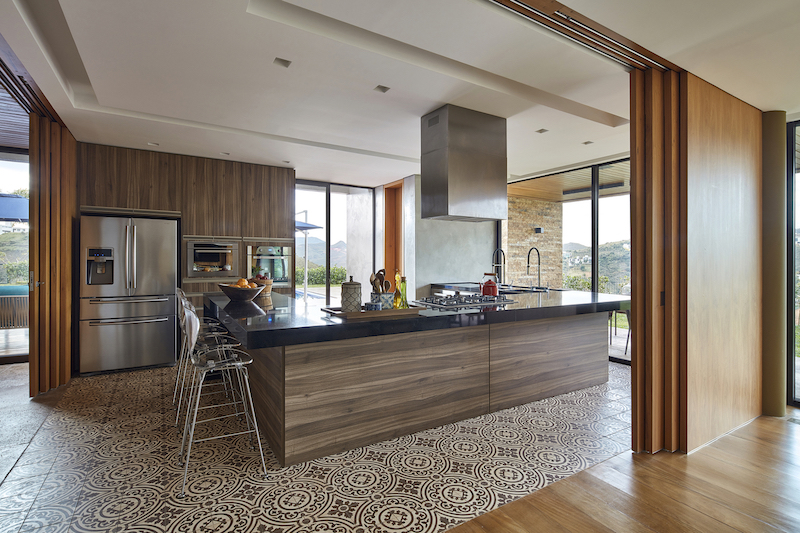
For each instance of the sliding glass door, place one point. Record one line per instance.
(794, 261)
(334, 239)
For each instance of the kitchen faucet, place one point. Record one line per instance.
(539, 261)
(502, 274)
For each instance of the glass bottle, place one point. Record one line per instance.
(403, 299)
(397, 296)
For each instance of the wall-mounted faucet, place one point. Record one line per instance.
(502, 265)
(539, 261)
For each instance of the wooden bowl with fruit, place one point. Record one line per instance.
(263, 281)
(241, 291)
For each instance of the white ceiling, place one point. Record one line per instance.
(197, 76)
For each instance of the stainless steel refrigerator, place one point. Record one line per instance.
(129, 272)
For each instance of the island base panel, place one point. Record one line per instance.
(266, 385)
(542, 358)
(345, 394)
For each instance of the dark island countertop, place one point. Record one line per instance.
(280, 320)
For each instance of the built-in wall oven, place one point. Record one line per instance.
(212, 259)
(271, 261)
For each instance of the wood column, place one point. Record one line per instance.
(53, 211)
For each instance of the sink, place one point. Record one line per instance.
(520, 290)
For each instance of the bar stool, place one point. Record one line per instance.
(207, 336)
(207, 325)
(203, 362)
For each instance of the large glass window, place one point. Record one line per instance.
(794, 351)
(335, 226)
(14, 231)
(614, 226)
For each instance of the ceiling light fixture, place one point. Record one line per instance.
(589, 142)
(382, 88)
(224, 153)
(282, 62)
(152, 144)
(542, 131)
(287, 162)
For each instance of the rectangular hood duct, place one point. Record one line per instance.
(464, 169)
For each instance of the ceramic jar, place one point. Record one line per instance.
(351, 296)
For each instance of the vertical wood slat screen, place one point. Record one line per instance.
(53, 209)
(657, 212)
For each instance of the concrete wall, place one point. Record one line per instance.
(525, 214)
(359, 238)
(447, 250)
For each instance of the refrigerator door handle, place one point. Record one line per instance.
(126, 322)
(127, 257)
(135, 259)
(149, 300)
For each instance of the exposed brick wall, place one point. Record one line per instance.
(525, 214)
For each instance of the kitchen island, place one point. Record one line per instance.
(322, 385)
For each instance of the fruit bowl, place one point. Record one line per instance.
(239, 294)
(262, 283)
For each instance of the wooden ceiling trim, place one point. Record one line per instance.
(20, 85)
(558, 27)
(572, 25)
(14, 124)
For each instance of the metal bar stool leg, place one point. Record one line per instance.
(191, 433)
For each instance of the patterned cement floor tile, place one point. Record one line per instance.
(112, 456)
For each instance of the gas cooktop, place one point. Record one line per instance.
(453, 303)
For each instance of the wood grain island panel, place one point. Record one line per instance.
(542, 358)
(344, 394)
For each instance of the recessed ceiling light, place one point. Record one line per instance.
(282, 62)
(382, 88)
(287, 162)
(224, 153)
(152, 144)
(589, 142)
(542, 131)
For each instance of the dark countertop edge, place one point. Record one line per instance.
(272, 338)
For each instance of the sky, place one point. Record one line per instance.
(615, 220)
(13, 176)
(314, 202)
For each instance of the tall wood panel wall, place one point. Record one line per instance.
(696, 263)
(215, 197)
(53, 212)
(722, 169)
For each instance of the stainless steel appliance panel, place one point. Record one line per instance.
(206, 259)
(273, 261)
(154, 248)
(121, 343)
(138, 306)
(107, 233)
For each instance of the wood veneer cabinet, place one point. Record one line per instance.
(215, 197)
(262, 216)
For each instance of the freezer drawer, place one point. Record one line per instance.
(119, 343)
(126, 307)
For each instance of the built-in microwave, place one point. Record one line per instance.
(274, 262)
(206, 259)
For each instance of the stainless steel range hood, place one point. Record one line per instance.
(464, 170)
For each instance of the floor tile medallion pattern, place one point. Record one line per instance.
(106, 460)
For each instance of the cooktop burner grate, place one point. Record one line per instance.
(452, 303)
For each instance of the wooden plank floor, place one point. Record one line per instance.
(747, 481)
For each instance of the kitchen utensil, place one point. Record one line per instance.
(381, 275)
(387, 286)
(351, 296)
(489, 284)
